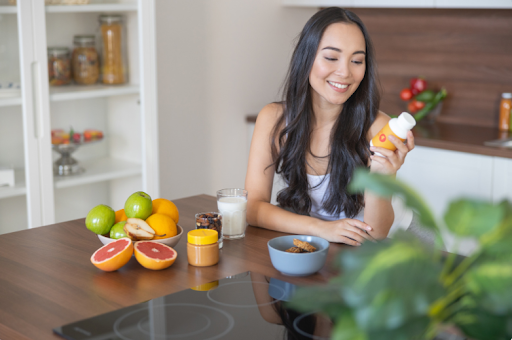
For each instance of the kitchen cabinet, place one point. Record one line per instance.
(442, 175)
(125, 161)
(401, 3)
(502, 179)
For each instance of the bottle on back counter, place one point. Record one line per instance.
(397, 127)
(505, 106)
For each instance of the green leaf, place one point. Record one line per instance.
(389, 283)
(466, 217)
(484, 325)
(386, 186)
(346, 329)
(491, 283)
(413, 330)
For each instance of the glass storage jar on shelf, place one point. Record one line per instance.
(59, 66)
(84, 60)
(113, 54)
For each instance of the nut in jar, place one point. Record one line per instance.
(59, 66)
(210, 220)
(84, 60)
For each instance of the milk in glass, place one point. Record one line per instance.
(233, 210)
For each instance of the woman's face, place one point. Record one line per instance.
(339, 65)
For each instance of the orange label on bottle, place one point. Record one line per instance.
(382, 140)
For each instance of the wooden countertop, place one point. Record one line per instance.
(47, 279)
(455, 137)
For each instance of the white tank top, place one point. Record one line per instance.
(317, 190)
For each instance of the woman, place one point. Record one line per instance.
(319, 134)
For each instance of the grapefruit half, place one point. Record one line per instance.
(154, 255)
(113, 255)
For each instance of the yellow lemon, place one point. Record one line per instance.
(162, 225)
(166, 207)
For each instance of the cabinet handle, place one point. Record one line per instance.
(37, 102)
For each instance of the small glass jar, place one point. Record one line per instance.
(59, 66)
(113, 49)
(210, 220)
(84, 60)
(203, 247)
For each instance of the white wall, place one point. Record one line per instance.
(218, 61)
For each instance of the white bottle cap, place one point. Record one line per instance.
(506, 95)
(406, 121)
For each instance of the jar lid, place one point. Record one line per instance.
(110, 18)
(58, 50)
(81, 39)
(506, 95)
(202, 236)
(406, 121)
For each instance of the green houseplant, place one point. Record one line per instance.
(401, 289)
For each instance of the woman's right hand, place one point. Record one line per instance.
(348, 230)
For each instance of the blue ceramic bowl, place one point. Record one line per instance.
(297, 264)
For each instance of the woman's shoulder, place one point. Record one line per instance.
(270, 114)
(272, 111)
(380, 121)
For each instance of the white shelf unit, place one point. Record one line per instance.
(19, 187)
(112, 7)
(99, 170)
(483, 4)
(8, 9)
(75, 92)
(95, 7)
(127, 158)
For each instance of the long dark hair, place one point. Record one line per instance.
(349, 147)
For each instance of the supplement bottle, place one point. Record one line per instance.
(505, 106)
(203, 247)
(397, 127)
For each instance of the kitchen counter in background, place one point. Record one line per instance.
(454, 137)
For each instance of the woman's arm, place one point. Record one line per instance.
(258, 183)
(378, 211)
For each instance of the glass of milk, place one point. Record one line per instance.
(232, 204)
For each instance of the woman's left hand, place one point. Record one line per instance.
(391, 160)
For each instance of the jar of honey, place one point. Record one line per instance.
(203, 247)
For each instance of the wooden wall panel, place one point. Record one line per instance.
(467, 51)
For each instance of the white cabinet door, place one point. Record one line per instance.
(473, 3)
(318, 3)
(36, 113)
(148, 97)
(393, 3)
(441, 176)
(402, 3)
(502, 179)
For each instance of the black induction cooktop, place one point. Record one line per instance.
(243, 307)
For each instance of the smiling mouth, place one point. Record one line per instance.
(337, 85)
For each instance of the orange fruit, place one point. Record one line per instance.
(154, 255)
(113, 255)
(162, 225)
(120, 216)
(166, 207)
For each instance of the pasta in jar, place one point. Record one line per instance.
(113, 56)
